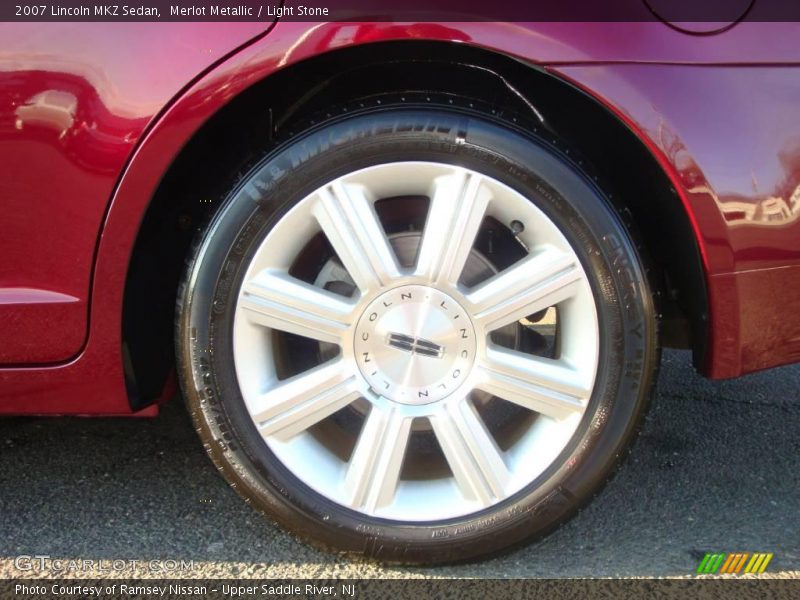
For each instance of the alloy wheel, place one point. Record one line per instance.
(406, 352)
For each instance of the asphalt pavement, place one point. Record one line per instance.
(716, 469)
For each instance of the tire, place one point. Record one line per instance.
(275, 330)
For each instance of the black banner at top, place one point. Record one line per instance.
(675, 11)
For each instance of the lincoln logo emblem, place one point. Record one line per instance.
(414, 345)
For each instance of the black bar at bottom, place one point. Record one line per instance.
(419, 589)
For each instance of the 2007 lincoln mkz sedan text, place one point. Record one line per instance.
(412, 279)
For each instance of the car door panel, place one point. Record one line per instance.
(74, 102)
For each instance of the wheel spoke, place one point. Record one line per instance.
(458, 204)
(278, 300)
(374, 469)
(471, 452)
(299, 402)
(348, 219)
(533, 284)
(544, 386)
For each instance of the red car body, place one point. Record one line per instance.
(92, 117)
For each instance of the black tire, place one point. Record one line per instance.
(628, 328)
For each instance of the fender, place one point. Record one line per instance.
(94, 381)
(745, 210)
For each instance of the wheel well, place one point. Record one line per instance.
(264, 114)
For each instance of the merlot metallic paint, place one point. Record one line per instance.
(91, 117)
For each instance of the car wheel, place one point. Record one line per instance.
(418, 334)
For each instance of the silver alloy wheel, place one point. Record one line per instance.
(415, 343)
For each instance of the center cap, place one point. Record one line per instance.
(414, 344)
